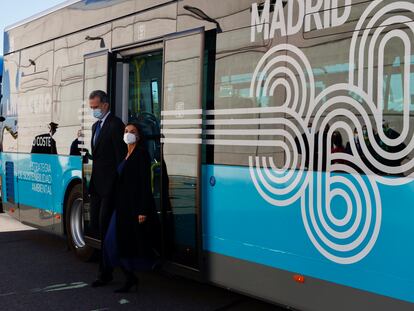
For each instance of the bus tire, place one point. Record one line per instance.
(74, 224)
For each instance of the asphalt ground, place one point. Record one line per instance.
(38, 272)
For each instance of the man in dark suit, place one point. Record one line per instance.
(45, 144)
(108, 151)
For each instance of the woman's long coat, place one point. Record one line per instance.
(134, 198)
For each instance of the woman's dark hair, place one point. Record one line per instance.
(139, 130)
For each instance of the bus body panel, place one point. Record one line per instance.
(251, 245)
(238, 223)
(275, 285)
(1, 74)
(9, 191)
(78, 16)
(40, 182)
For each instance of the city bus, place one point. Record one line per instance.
(280, 133)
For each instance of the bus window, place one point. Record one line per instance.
(145, 76)
(8, 103)
(155, 98)
(236, 60)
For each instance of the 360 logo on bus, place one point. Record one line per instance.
(301, 127)
(309, 122)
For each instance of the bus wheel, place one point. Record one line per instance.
(74, 225)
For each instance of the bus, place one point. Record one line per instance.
(280, 133)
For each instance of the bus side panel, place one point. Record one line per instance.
(42, 181)
(238, 223)
(275, 285)
(9, 190)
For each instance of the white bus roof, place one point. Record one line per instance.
(42, 14)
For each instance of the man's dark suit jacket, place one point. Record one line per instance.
(107, 154)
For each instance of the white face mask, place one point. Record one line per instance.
(130, 138)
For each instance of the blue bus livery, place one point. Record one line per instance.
(280, 132)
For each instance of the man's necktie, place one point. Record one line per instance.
(97, 132)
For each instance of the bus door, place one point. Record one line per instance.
(137, 99)
(158, 85)
(181, 145)
(96, 77)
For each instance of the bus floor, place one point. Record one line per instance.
(39, 273)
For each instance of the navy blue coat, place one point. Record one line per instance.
(134, 198)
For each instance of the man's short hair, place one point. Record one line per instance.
(103, 97)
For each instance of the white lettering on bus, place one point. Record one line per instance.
(38, 174)
(260, 22)
(40, 188)
(42, 142)
(323, 13)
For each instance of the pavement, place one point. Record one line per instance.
(38, 272)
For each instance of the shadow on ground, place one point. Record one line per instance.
(37, 272)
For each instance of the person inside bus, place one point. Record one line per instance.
(348, 150)
(108, 151)
(337, 145)
(360, 152)
(316, 153)
(391, 134)
(132, 235)
(76, 150)
(45, 143)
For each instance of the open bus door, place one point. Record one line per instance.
(96, 77)
(159, 87)
(181, 147)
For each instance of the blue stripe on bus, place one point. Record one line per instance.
(238, 222)
(40, 180)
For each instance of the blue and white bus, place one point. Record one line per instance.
(280, 132)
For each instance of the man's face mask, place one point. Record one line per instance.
(97, 113)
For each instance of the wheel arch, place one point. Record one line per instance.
(72, 183)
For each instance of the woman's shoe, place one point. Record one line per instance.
(102, 281)
(131, 283)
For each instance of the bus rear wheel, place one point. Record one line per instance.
(74, 225)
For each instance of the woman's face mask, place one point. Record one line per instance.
(130, 138)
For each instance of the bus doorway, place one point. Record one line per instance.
(139, 98)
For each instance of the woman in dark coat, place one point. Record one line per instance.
(133, 232)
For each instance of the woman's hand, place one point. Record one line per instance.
(142, 219)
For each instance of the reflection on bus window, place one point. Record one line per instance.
(145, 76)
(45, 143)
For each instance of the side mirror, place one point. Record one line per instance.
(2, 119)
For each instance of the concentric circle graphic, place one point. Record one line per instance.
(348, 236)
